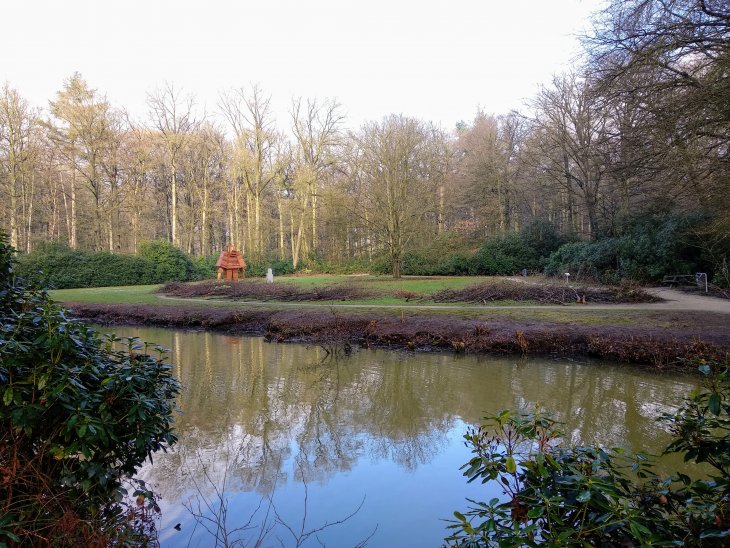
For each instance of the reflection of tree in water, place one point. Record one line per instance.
(381, 411)
(411, 410)
(327, 439)
(604, 405)
(270, 412)
(251, 405)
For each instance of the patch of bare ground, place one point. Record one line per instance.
(261, 291)
(506, 290)
(640, 344)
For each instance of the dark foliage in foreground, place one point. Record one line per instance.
(77, 418)
(590, 496)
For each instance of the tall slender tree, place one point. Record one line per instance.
(82, 128)
(172, 115)
(255, 161)
(17, 156)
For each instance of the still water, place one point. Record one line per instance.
(280, 444)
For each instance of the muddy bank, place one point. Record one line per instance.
(659, 348)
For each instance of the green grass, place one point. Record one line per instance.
(385, 303)
(382, 288)
(128, 294)
(146, 295)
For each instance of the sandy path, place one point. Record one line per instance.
(679, 300)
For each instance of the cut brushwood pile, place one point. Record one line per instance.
(542, 293)
(257, 290)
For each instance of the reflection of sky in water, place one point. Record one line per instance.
(381, 426)
(405, 507)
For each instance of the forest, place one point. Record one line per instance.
(618, 169)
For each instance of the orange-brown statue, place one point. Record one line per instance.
(231, 263)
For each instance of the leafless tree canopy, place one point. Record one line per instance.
(641, 126)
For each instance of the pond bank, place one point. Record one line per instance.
(660, 348)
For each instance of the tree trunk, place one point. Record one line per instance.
(280, 208)
(204, 228)
(174, 203)
(29, 212)
(314, 214)
(441, 209)
(13, 205)
(257, 220)
(249, 235)
(73, 242)
(395, 257)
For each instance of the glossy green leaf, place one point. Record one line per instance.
(510, 465)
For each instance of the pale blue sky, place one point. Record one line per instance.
(437, 61)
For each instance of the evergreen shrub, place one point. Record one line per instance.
(648, 249)
(78, 416)
(60, 267)
(556, 494)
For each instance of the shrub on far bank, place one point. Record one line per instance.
(448, 254)
(317, 264)
(648, 249)
(258, 269)
(511, 253)
(170, 264)
(58, 266)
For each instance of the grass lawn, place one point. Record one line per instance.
(128, 294)
(384, 289)
(384, 301)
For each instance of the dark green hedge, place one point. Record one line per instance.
(648, 249)
(58, 266)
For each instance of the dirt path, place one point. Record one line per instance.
(679, 300)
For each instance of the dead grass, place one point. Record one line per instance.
(261, 291)
(638, 343)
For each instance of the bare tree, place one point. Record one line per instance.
(316, 127)
(668, 61)
(83, 131)
(17, 156)
(572, 140)
(172, 115)
(254, 162)
(400, 182)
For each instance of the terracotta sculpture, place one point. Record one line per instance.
(231, 263)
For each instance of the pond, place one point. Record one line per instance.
(282, 444)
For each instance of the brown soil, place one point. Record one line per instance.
(655, 346)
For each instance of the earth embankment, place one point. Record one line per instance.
(673, 338)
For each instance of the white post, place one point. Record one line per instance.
(699, 276)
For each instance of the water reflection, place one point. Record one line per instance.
(276, 423)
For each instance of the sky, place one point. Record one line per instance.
(439, 61)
